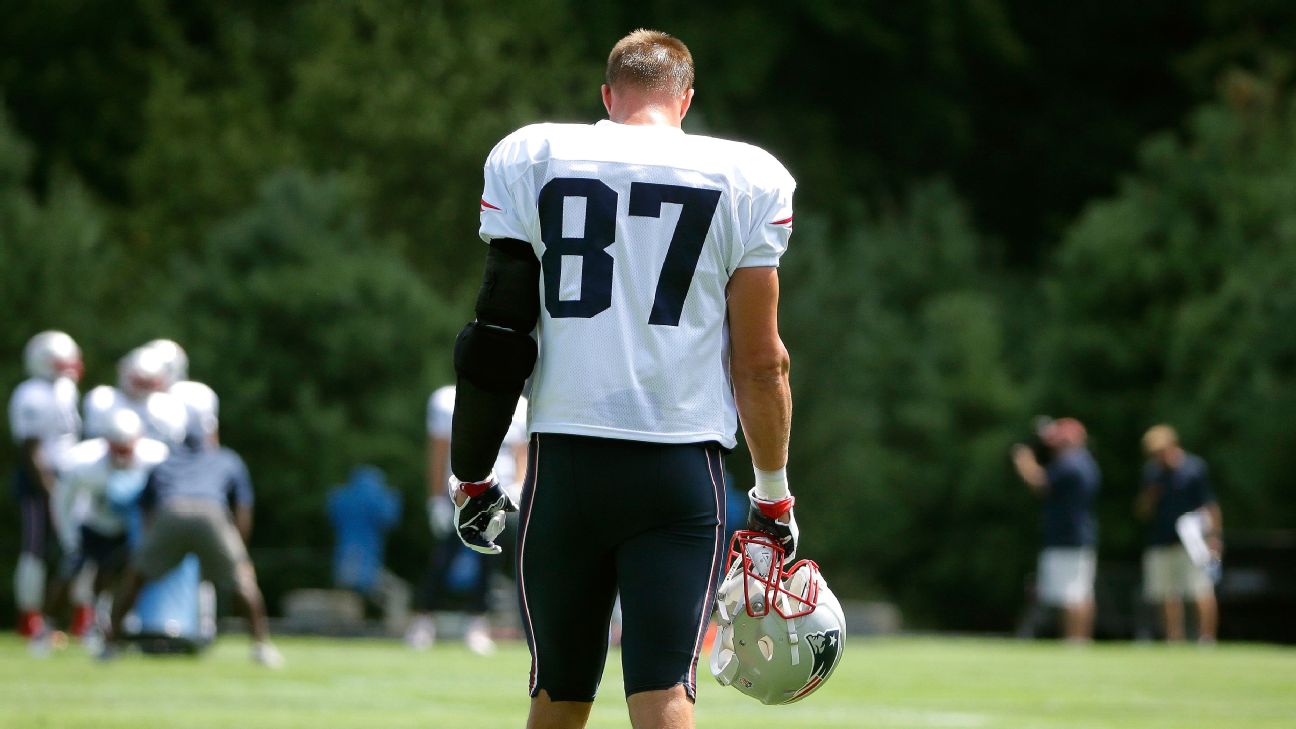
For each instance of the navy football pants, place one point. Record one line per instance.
(600, 516)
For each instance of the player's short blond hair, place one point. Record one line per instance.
(651, 61)
(1159, 438)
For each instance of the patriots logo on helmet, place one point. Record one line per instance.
(825, 646)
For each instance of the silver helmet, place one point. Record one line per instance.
(175, 359)
(123, 427)
(142, 372)
(781, 632)
(51, 355)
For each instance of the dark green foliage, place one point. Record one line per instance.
(905, 408)
(322, 344)
(1173, 300)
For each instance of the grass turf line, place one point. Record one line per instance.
(882, 684)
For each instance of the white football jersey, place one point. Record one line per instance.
(88, 475)
(638, 230)
(163, 414)
(46, 411)
(440, 413)
(202, 406)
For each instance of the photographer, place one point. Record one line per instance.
(1067, 485)
(1176, 487)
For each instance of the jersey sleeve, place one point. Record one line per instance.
(517, 431)
(1205, 494)
(240, 483)
(440, 413)
(27, 413)
(771, 226)
(501, 214)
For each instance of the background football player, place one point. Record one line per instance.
(108, 473)
(452, 562)
(44, 422)
(143, 379)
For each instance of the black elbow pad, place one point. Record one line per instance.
(493, 358)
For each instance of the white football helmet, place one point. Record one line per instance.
(51, 355)
(782, 632)
(142, 372)
(166, 418)
(97, 408)
(123, 427)
(175, 359)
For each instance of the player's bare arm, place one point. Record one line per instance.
(759, 365)
(1029, 469)
(438, 451)
(1145, 503)
(243, 521)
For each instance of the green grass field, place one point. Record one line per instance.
(910, 682)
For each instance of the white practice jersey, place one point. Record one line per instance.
(46, 411)
(440, 413)
(163, 414)
(89, 477)
(638, 230)
(202, 406)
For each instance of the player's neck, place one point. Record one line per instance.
(648, 115)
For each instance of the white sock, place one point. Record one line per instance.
(29, 582)
(83, 586)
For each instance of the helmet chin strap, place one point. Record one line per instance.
(794, 642)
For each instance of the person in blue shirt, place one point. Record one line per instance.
(1066, 486)
(1176, 483)
(362, 511)
(199, 501)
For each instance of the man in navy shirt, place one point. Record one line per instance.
(1067, 486)
(199, 501)
(1175, 484)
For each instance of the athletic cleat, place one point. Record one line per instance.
(93, 641)
(421, 633)
(41, 644)
(107, 652)
(30, 623)
(82, 621)
(477, 639)
(265, 654)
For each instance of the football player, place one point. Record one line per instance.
(450, 557)
(199, 500)
(44, 422)
(142, 386)
(646, 261)
(108, 473)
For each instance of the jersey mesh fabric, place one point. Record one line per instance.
(614, 374)
(164, 415)
(45, 411)
(88, 470)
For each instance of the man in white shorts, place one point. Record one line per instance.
(1176, 483)
(1067, 484)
